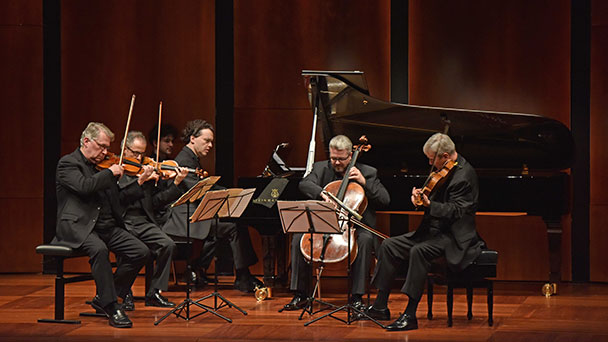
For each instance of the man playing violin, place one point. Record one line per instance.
(198, 136)
(324, 172)
(89, 215)
(447, 229)
(140, 220)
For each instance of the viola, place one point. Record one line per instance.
(435, 180)
(168, 168)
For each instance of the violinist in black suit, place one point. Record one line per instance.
(447, 229)
(90, 211)
(141, 220)
(198, 135)
(324, 172)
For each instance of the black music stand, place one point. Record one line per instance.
(216, 204)
(196, 192)
(346, 214)
(309, 217)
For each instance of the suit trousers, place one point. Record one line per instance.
(413, 254)
(133, 255)
(300, 269)
(240, 244)
(162, 248)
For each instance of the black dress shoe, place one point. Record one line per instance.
(357, 303)
(96, 304)
(377, 314)
(404, 322)
(298, 302)
(202, 279)
(119, 319)
(158, 300)
(247, 284)
(128, 304)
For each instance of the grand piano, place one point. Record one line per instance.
(520, 158)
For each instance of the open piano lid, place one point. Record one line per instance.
(397, 132)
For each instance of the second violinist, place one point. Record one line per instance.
(141, 220)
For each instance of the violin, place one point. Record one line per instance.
(131, 166)
(435, 180)
(334, 248)
(166, 169)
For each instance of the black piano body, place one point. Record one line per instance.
(266, 221)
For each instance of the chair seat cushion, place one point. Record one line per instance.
(56, 250)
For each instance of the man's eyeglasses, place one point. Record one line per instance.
(335, 159)
(135, 153)
(102, 147)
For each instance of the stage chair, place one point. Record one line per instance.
(474, 276)
(59, 254)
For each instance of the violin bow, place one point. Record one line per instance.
(122, 152)
(160, 112)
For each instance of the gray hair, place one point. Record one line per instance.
(439, 143)
(341, 142)
(131, 136)
(92, 132)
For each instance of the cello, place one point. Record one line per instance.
(333, 248)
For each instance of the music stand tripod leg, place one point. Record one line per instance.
(215, 294)
(185, 304)
(311, 300)
(349, 308)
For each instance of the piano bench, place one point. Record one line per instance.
(474, 276)
(59, 254)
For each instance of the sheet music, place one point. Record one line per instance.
(197, 191)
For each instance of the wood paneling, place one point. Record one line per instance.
(21, 12)
(271, 50)
(598, 238)
(508, 56)
(158, 50)
(21, 233)
(21, 134)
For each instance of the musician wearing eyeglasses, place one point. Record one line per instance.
(89, 218)
(324, 172)
(141, 221)
(447, 229)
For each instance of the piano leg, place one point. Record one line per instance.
(554, 235)
(273, 249)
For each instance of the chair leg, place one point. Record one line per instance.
(59, 297)
(469, 301)
(490, 303)
(450, 303)
(429, 298)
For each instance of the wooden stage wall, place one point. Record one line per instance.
(506, 56)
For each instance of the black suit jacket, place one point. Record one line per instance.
(78, 188)
(322, 174)
(452, 210)
(176, 222)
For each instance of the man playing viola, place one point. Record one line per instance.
(89, 219)
(447, 229)
(198, 136)
(140, 220)
(324, 172)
